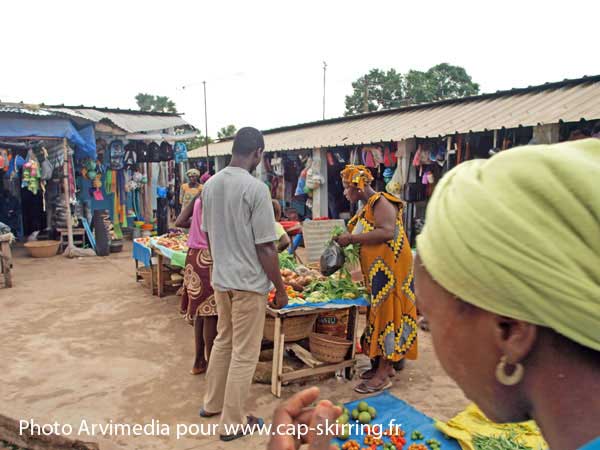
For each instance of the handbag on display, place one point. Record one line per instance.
(414, 192)
(141, 149)
(153, 152)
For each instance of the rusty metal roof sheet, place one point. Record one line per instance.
(569, 101)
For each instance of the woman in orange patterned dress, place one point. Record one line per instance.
(387, 266)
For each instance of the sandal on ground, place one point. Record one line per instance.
(364, 388)
(198, 370)
(232, 437)
(369, 374)
(206, 414)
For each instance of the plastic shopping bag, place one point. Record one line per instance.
(332, 259)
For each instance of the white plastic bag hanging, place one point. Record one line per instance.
(394, 187)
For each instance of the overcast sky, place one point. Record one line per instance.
(262, 60)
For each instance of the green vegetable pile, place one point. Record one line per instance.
(434, 444)
(335, 288)
(287, 261)
(351, 252)
(500, 442)
(417, 436)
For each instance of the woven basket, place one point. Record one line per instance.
(294, 328)
(329, 349)
(42, 249)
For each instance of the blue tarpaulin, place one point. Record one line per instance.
(361, 301)
(142, 254)
(83, 140)
(392, 411)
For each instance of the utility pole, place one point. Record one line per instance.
(366, 96)
(206, 128)
(324, 74)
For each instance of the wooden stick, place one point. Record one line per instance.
(66, 194)
(148, 197)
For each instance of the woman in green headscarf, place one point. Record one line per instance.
(508, 276)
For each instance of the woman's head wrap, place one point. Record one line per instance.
(359, 176)
(193, 173)
(519, 235)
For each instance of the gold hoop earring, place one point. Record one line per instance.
(509, 380)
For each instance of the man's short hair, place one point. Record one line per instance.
(247, 140)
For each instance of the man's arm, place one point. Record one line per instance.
(263, 229)
(267, 256)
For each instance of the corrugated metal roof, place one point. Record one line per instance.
(27, 110)
(129, 121)
(568, 101)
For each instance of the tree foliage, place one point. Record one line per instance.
(155, 103)
(226, 132)
(392, 89)
(198, 141)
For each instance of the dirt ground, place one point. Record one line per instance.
(79, 339)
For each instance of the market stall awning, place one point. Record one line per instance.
(129, 121)
(42, 126)
(569, 101)
(161, 137)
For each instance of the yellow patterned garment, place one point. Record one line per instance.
(472, 421)
(388, 271)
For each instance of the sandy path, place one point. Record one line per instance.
(80, 340)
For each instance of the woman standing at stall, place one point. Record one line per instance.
(198, 300)
(283, 240)
(190, 189)
(386, 263)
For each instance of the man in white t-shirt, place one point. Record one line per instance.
(238, 218)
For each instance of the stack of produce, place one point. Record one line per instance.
(176, 241)
(377, 436)
(309, 286)
(145, 241)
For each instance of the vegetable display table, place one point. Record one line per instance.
(314, 367)
(141, 253)
(6, 258)
(164, 254)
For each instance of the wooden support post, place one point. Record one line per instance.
(66, 194)
(320, 195)
(148, 210)
(278, 346)
(352, 333)
(159, 276)
(6, 262)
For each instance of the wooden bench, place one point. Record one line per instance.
(78, 237)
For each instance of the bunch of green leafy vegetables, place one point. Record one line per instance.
(336, 288)
(500, 442)
(287, 261)
(351, 252)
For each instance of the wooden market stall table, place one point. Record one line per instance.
(165, 256)
(6, 258)
(315, 367)
(143, 254)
